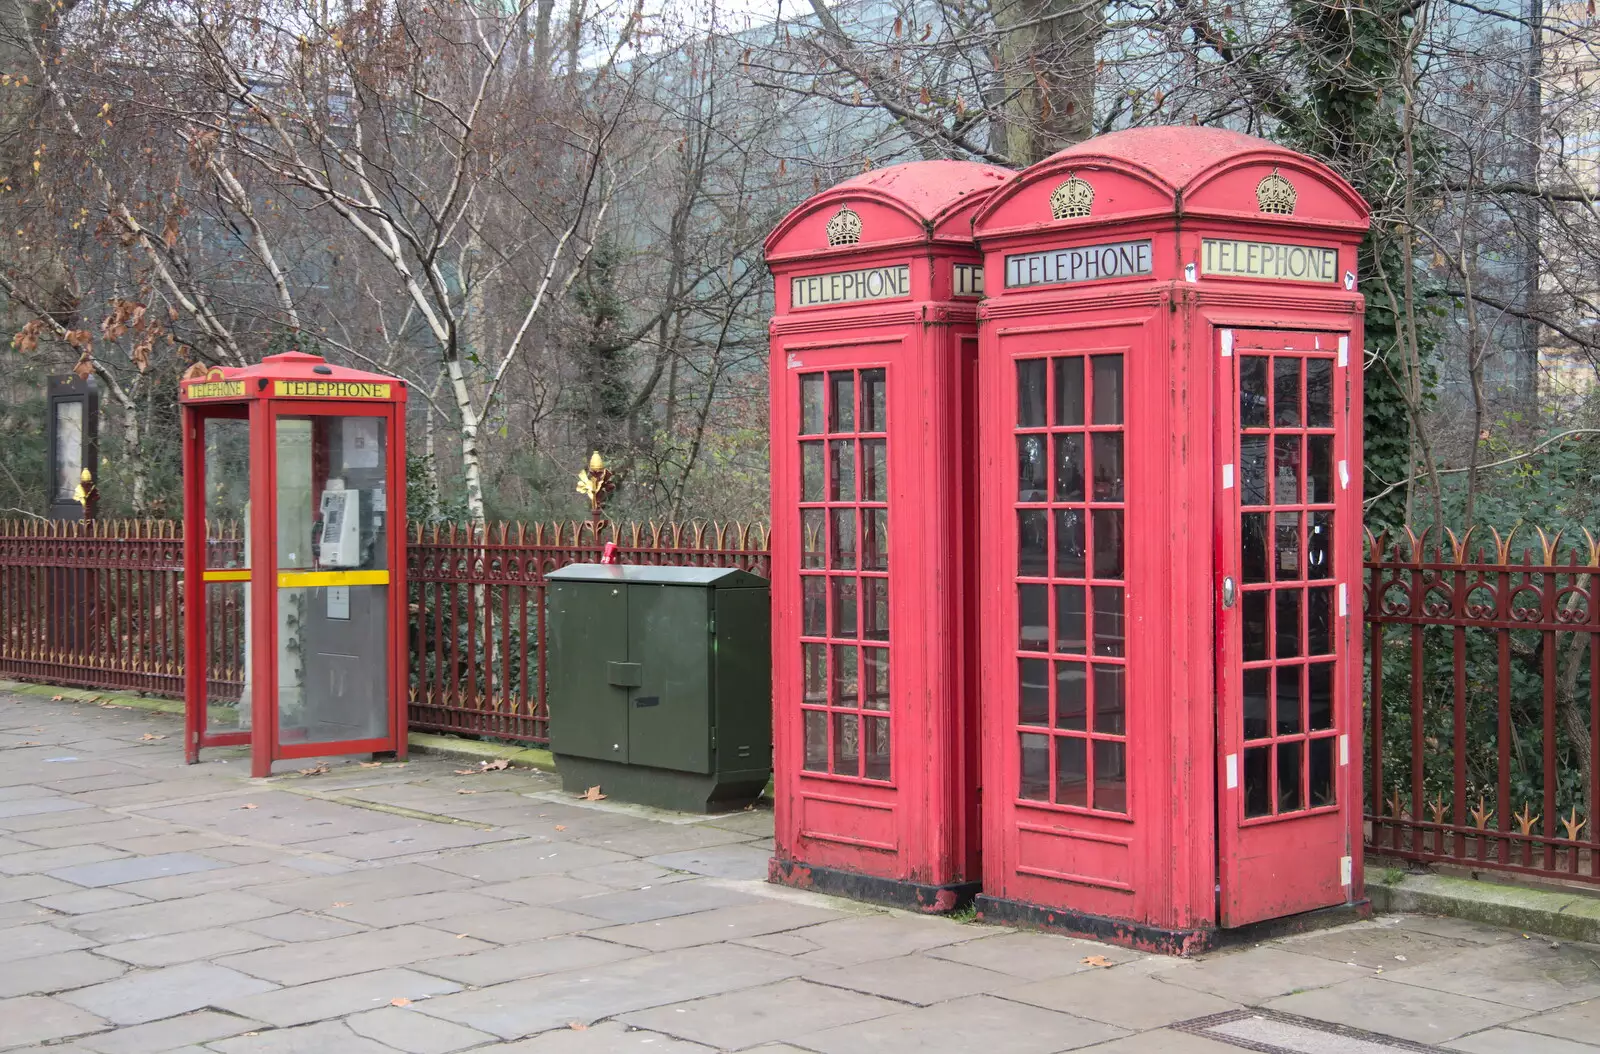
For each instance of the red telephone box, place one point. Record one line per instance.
(1170, 521)
(874, 353)
(294, 473)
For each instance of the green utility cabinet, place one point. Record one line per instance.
(660, 683)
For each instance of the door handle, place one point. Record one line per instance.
(1228, 591)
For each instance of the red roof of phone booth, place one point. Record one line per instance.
(297, 366)
(1174, 154)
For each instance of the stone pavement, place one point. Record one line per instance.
(150, 906)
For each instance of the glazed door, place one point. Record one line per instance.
(1286, 507)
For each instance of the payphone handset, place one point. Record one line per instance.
(340, 545)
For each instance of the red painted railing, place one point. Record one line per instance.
(1483, 718)
(477, 604)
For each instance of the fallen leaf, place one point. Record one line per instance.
(466, 772)
(371, 764)
(248, 805)
(1401, 958)
(495, 765)
(54, 698)
(460, 935)
(315, 770)
(30, 742)
(151, 735)
(1095, 960)
(577, 1026)
(561, 827)
(593, 793)
(463, 790)
(341, 903)
(399, 1000)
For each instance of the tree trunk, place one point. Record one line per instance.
(1047, 58)
(471, 461)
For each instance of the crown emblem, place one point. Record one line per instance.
(1276, 195)
(1071, 200)
(845, 227)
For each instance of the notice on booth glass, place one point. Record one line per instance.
(841, 287)
(1290, 263)
(1086, 263)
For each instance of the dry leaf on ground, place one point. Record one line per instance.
(561, 827)
(341, 903)
(371, 764)
(495, 765)
(315, 770)
(463, 790)
(248, 805)
(578, 1026)
(151, 735)
(592, 794)
(399, 1000)
(1095, 960)
(466, 772)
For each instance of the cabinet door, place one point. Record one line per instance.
(588, 643)
(669, 719)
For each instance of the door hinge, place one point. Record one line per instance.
(713, 739)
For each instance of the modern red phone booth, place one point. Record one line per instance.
(874, 355)
(1170, 518)
(294, 582)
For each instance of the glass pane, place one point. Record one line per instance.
(1288, 700)
(1034, 781)
(844, 607)
(1289, 793)
(1287, 546)
(1320, 696)
(1319, 620)
(1286, 470)
(1069, 467)
(813, 606)
(877, 731)
(1255, 703)
(1030, 393)
(1286, 392)
(842, 404)
(845, 686)
(1070, 543)
(1107, 449)
(1288, 626)
(875, 538)
(69, 449)
(1319, 470)
(1253, 470)
(1033, 618)
(1031, 468)
(1252, 391)
(811, 404)
(1319, 546)
(1254, 618)
(1033, 535)
(814, 659)
(816, 744)
(1108, 632)
(1072, 696)
(1110, 700)
(843, 542)
(227, 511)
(1033, 692)
(1322, 792)
(1319, 393)
(812, 473)
(1257, 787)
(227, 504)
(813, 542)
(1253, 547)
(1110, 776)
(1107, 371)
(874, 608)
(874, 401)
(333, 640)
(842, 470)
(846, 745)
(1069, 391)
(1108, 543)
(1069, 620)
(875, 678)
(874, 470)
(1072, 771)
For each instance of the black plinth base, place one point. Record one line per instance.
(912, 896)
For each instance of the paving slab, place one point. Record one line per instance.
(1125, 996)
(84, 901)
(1378, 944)
(292, 964)
(327, 1037)
(407, 840)
(295, 926)
(528, 959)
(406, 1030)
(42, 860)
(31, 887)
(1254, 975)
(975, 1023)
(369, 884)
(718, 924)
(173, 948)
(1381, 1005)
(737, 1020)
(739, 860)
(98, 833)
(44, 974)
(915, 979)
(39, 1019)
(656, 839)
(1580, 1021)
(1509, 1041)
(1034, 956)
(514, 923)
(39, 806)
(856, 940)
(625, 874)
(228, 876)
(1532, 975)
(609, 1038)
(169, 1034)
(421, 907)
(338, 997)
(135, 869)
(641, 905)
(43, 938)
(539, 890)
(1164, 1041)
(521, 1008)
(150, 995)
(157, 918)
(523, 860)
